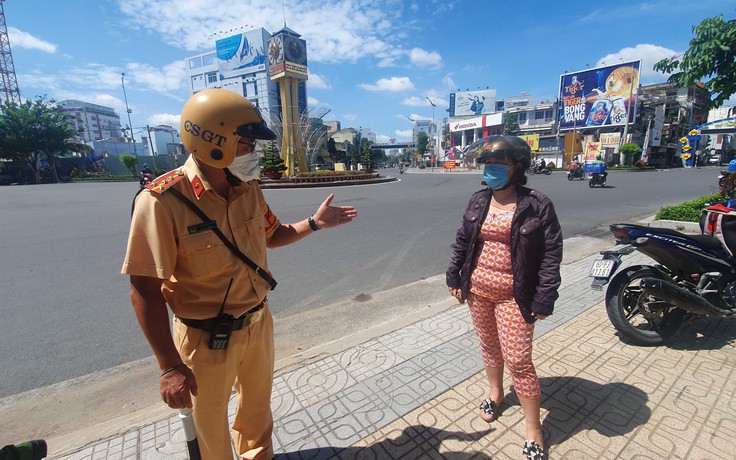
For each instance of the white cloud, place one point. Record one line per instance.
(165, 119)
(449, 83)
(350, 116)
(20, 39)
(404, 134)
(316, 81)
(649, 55)
(363, 29)
(168, 80)
(312, 102)
(393, 84)
(415, 101)
(421, 57)
(382, 139)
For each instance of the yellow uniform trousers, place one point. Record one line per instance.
(246, 365)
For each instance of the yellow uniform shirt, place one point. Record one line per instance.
(196, 268)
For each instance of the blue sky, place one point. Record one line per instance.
(371, 62)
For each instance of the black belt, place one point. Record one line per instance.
(251, 316)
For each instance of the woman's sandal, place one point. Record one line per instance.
(489, 408)
(533, 451)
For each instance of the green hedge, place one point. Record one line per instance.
(688, 211)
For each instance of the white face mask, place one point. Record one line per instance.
(245, 167)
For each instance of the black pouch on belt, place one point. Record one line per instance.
(223, 327)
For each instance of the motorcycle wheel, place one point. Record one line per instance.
(722, 181)
(591, 184)
(569, 177)
(626, 308)
(531, 171)
(547, 172)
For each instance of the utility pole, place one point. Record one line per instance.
(153, 153)
(434, 136)
(9, 92)
(127, 109)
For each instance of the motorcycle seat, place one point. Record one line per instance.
(708, 241)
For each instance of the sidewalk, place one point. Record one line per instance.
(413, 392)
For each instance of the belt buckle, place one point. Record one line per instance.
(255, 316)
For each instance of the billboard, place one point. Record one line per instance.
(472, 103)
(241, 53)
(532, 140)
(599, 97)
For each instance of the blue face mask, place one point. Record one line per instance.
(496, 176)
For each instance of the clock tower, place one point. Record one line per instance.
(287, 62)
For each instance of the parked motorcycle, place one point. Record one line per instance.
(575, 172)
(539, 168)
(693, 276)
(597, 179)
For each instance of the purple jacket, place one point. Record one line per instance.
(536, 250)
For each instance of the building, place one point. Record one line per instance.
(665, 113)
(162, 140)
(92, 121)
(239, 63)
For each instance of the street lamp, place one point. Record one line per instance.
(434, 136)
(127, 109)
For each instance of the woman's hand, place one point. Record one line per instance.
(457, 293)
(538, 316)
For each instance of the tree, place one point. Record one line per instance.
(712, 54)
(271, 162)
(130, 162)
(366, 156)
(511, 124)
(422, 142)
(628, 151)
(36, 132)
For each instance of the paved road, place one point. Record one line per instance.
(65, 308)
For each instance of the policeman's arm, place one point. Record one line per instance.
(326, 217)
(150, 309)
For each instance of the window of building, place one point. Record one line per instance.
(539, 115)
(521, 117)
(208, 59)
(211, 77)
(195, 62)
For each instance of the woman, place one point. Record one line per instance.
(506, 263)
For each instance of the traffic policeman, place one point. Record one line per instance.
(197, 243)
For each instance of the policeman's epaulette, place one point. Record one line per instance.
(165, 181)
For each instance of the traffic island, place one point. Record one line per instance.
(326, 179)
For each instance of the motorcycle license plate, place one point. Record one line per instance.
(602, 268)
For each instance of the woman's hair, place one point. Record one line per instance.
(519, 177)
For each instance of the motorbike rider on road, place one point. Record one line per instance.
(598, 161)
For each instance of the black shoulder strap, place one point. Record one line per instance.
(208, 224)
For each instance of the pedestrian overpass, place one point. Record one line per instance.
(395, 145)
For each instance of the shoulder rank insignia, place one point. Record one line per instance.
(165, 181)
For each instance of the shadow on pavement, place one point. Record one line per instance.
(575, 405)
(416, 441)
(711, 333)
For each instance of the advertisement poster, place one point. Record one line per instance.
(241, 53)
(599, 97)
(481, 102)
(532, 140)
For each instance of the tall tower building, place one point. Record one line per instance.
(9, 91)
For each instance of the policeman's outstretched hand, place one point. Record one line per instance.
(177, 387)
(331, 216)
